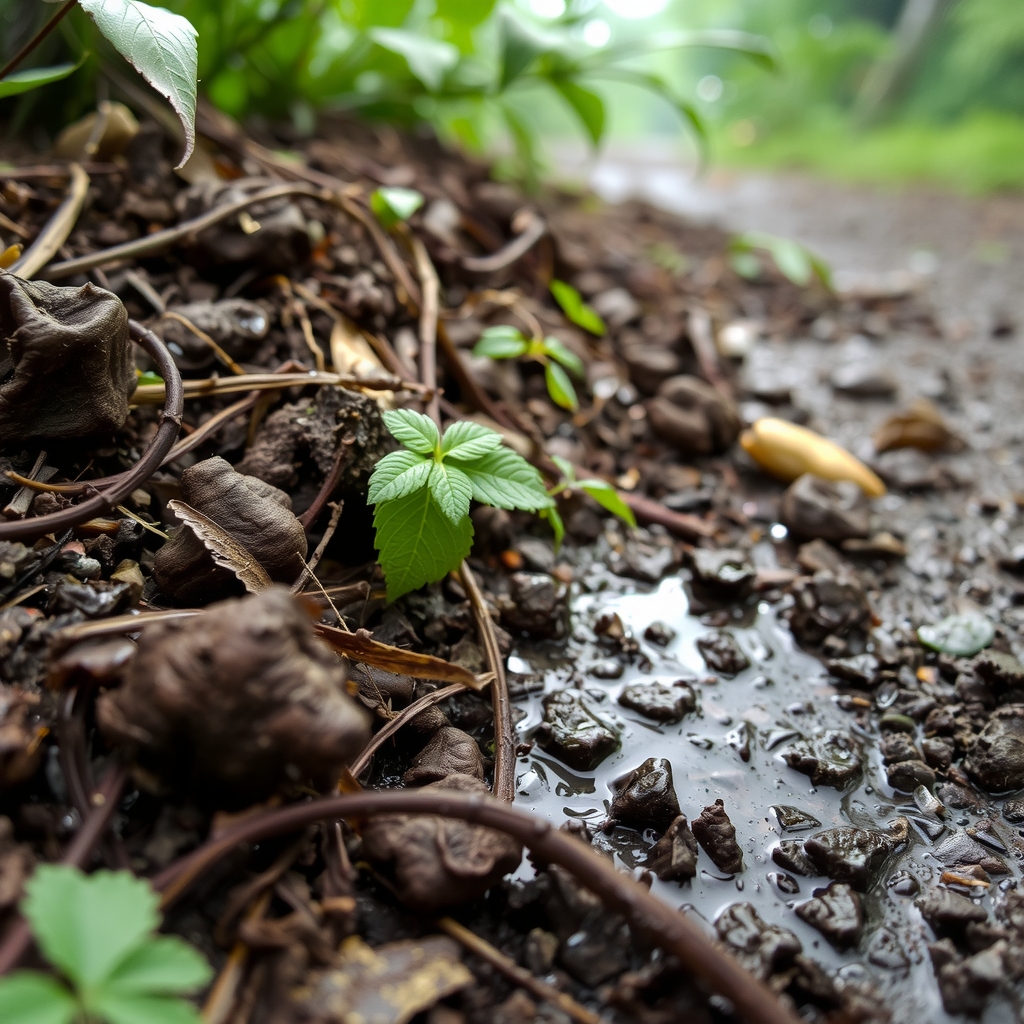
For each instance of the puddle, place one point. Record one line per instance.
(784, 692)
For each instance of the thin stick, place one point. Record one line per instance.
(428, 323)
(703, 341)
(203, 337)
(360, 764)
(37, 38)
(57, 229)
(310, 567)
(222, 996)
(541, 989)
(534, 231)
(504, 785)
(671, 930)
(160, 241)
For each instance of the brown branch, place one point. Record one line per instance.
(152, 458)
(519, 246)
(37, 38)
(57, 228)
(428, 323)
(667, 927)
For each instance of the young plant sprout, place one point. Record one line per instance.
(600, 490)
(506, 342)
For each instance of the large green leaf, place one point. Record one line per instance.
(397, 474)
(22, 81)
(131, 1008)
(587, 106)
(161, 46)
(30, 998)
(428, 59)
(164, 964)
(417, 543)
(87, 924)
(417, 432)
(506, 480)
(520, 47)
(451, 490)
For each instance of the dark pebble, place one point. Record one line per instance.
(722, 654)
(995, 759)
(646, 797)
(829, 758)
(792, 819)
(906, 776)
(837, 913)
(849, 854)
(660, 633)
(573, 733)
(717, 837)
(673, 858)
(658, 701)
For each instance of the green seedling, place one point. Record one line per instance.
(421, 495)
(600, 490)
(505, 342)
(392, 205)
(98, 932)
(576, 309)
(793, 260)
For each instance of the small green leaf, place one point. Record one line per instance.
(566, 468)
(451, 490)
(131, 1008)
(564, 355)
(746, 264)
(417, 543)
(86, 925)
(795, 261)
(560, 387)
(428, 59)
(960, 635)
(465, 439)
(392, 204)
(520, 47)
(165, 964)
(586, 105)
(609, 499)
(555, 519)
(149, 377)
(416, 431)
(30, 998)
(397, 474)
(23, 81)
(501, 342)
(506, 480)
(576, 309)
(161, 46)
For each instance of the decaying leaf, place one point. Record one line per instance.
(438, 862)
(225, 550)
(234, 702)
(386, 985)
(65, 361)
(920, 425)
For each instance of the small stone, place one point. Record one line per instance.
(641, 559)
(837, 913)
(884, 950)
(724, 572)
(646, 797)
(573, 733)
(816, 508)
(789, 854)
(938, 752)
(658, 701)
(673, 858)
(693, 416)
(535, 605)
(949, 913)
(1002, 670)
(960, 850)
(829, 758)
(717, 836)
(792, 819)
(863, 378)
(906, 776)
(722, 654)
(995, 759)
(849, 854)
(660, 633)
(763, 949)
(897, 746)
(607, 668)
(858, 669)
(1013, 811)
(650, 367)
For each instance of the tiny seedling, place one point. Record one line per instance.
(600, 490)
(422, 492)
(576, 309)
(392, 205)
(97, 930)
(793, 260)
(506, 342)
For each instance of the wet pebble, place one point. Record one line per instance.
(792, 819)
(816, 508)
(660, 633)
(995, 759)
(763, 949)
(949, 913)
(906, 776)
(717, 836)
(535, 604)
(646, 797)
(573, 733)
(659, 701)
(673, 858)
(693, 416)
(726, 573)
(829, 758)
(836, 912)
(721, 653)
(789, 854)
(863, 378)
(849, 854)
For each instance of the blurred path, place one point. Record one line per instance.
(974, 247)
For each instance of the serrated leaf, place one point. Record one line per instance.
(120, 1008)
(501, 342)
(465, 439)
(560, 387)
(561, 353)
(576, 309)
(417, 432)
(393, 204)
(451, 490)
(86, 925)
(161, 46)
(609, 499)
(586, 105)
(397, 474)
(417, 543)
(31, 998)
(961, 635)
(163, 965)
(553, 516)
(33, 78)
(428, 59)
(506, 480)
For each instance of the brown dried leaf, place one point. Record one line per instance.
(226, 551)
(920, 425)
(386, 985)
(360, 646)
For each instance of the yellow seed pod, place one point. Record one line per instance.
(787, 451)
(9, 256)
